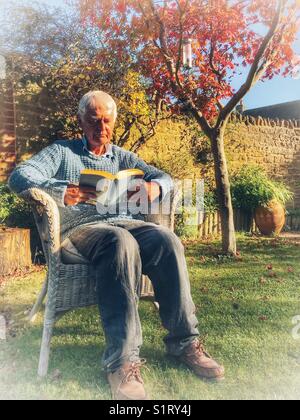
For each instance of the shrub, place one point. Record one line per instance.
(252, 188)
(14, 212)
(186, 223)
(210, 201)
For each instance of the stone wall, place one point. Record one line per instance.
(272, 144)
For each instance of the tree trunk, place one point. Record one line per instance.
(223, 191)
(15, 251)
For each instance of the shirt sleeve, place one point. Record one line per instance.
(151, 173)
(39, 172)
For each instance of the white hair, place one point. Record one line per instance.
(98, 95)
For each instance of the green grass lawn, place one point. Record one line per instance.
(245, 308)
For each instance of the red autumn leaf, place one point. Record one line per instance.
(272, 274)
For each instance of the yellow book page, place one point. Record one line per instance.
(120, 175)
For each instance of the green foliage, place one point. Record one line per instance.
(14, 211)
(186, 219)
(186, 223)
(210, 201)
(252, 188)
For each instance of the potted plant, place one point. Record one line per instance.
(254, 192)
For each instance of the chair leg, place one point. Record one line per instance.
(156, 305)
(45, 348)
(39, 302)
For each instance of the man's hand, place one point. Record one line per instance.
(151, 190)
(75, 195)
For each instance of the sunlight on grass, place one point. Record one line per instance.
(245, 308)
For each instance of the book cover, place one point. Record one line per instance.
(110, 189)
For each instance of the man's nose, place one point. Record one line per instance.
(102, 125)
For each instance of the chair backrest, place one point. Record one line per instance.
(41, 224)
(47, 219)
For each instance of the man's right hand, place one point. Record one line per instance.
(76, 195)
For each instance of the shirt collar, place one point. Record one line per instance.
(108, 148)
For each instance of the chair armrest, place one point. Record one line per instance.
(167, 208)
(47, 219)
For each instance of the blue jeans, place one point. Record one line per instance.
(122, 251)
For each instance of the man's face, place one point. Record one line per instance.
(98, 124)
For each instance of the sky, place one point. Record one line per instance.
(278, 90)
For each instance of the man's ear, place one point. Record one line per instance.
(79, 120)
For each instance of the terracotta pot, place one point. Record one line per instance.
(271, 219)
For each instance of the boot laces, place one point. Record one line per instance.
(133, 373)
(199, 349)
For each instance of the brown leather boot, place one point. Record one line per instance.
(201, 362)
(126, 383)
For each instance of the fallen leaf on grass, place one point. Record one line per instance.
(272, 274)
(263, 318)
(265, 298)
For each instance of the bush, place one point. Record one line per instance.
(251, 188)
(186, 223)
(14, 212)
(210, 202)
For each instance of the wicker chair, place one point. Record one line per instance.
(69, 285)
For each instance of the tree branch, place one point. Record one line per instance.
(257, 68)
(175, 82)
(211, 62)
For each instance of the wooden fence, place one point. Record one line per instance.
(211, 225)
(293, 222)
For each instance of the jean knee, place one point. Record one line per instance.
(124, 241)
(169, 240)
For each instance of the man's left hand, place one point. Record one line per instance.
(152, 190)
(148, 189)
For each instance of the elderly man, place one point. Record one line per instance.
(121, 247)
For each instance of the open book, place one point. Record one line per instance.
(111, 189)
